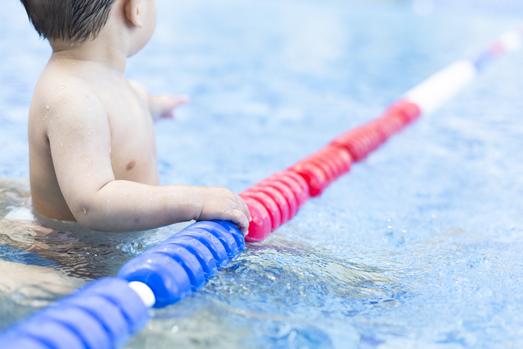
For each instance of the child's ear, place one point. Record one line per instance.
(133, 12)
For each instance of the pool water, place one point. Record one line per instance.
(419, 247)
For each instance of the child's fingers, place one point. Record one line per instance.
(170, 102)
(180, 100)
(165, 105)
(240, 205)
(241, 219)
(245, 208)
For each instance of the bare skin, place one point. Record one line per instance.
(92, 143)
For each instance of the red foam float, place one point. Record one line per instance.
(409, 111)
(397, 116)
(325, 164)
(329, 164)
(268, 203)
(390, 124)
(277, 197)
(315, 177)
(361, 141)
(333, 160)
(287, 193)
(338, 157)
(296, 183)
(260, 225)
(343, 157)
(283, 194)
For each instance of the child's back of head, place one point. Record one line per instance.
(68, 20)
(123, 24)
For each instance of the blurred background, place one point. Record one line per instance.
(338, 46)
(420, 246)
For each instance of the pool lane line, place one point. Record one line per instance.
(106, 313)
(322, 168)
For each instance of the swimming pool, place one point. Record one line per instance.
(418, 247)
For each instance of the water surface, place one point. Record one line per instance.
(418, 247)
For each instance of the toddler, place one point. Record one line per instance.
(91, 135)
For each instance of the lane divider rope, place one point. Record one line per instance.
(106, 313)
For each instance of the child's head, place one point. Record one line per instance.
(132, 22)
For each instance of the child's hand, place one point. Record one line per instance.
(222, 204)
(162, 107)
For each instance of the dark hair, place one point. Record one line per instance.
(70, 20)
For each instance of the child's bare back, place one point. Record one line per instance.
(87, 124)
(92, 146)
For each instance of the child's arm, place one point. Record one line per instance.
(161, 107)
(80, 142)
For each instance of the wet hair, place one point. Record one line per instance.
(68, 20)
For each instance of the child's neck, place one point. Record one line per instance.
(98, 51)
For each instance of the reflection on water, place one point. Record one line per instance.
(279, 294)
(40, 264)
(299, 274)
(420, 246)
(74, 251)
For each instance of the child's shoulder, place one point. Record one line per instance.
(58, 94)
(56, 85)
